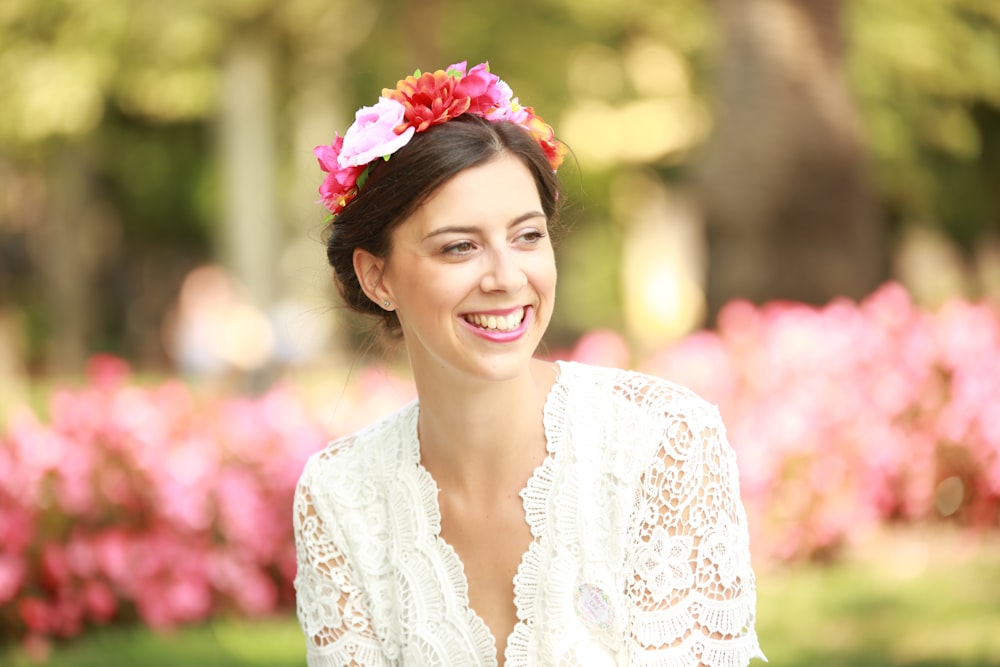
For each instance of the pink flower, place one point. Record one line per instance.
(327, 155)
(107, 371)
(12, 575)
(340, 185)
(373, 134)
(507, 107)
(480, 86)
(35, 614)
(99, 601)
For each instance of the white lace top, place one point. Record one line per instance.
(640, 553)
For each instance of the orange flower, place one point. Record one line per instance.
(555, 150)
(429, 99)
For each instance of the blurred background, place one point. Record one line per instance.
(791, 205)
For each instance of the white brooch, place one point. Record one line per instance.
(593, 607)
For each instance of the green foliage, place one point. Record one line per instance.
(926, 74)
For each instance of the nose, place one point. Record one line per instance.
(503, 272)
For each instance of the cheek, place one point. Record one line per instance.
(428, 292)
(544, 272)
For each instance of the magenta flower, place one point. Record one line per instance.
(480, 86)
(340, 185)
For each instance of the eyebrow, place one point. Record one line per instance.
(466, 229)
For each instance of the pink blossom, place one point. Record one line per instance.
(507, 107)
(373, 134)
(602, 348)
(339, 186)
(17, 527)
(480, 86)
(36, 614)
(55, 565)
(99, 601)
(106, 371)
(12, 575)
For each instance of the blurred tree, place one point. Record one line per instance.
(789, 208)
(927, 77)
(103, 100)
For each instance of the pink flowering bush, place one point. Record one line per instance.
(852, 415)
(164, 506)
(147, 504)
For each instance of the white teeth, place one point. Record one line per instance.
(497, 322)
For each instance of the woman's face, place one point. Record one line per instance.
(472, 273)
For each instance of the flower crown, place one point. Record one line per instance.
(417, 103)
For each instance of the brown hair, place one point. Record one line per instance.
(397, 187)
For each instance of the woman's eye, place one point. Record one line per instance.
(460, 248)
(533, 236)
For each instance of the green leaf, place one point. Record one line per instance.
(363, 176)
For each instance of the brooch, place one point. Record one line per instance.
(593, 607)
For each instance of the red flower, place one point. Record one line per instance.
(429, 99)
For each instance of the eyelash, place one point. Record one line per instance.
(457, 248)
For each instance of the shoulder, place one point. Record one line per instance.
(626, 421)
(352, 467)
(622, 393)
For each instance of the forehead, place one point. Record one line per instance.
(496, 191)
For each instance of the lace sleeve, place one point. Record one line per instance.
(332, 609)
(692, 589)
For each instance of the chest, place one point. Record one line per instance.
(490, 541)
(456, 576)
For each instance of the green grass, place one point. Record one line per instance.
(909, 601)
(274, 642)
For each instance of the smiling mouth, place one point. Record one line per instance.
(497, 322)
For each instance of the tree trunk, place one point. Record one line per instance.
(247, 147)
(61, 249)
(789, 210)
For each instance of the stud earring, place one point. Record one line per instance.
(385, 302)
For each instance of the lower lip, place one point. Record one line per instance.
(497, 336)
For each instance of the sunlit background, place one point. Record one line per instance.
(792, 207)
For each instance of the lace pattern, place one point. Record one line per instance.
(639, 556)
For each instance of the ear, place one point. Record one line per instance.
(370, 271)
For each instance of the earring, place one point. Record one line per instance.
(385, 302)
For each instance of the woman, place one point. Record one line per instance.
(519, 512)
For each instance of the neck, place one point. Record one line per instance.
(479, 435)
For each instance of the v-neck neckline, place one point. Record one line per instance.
(534, 498)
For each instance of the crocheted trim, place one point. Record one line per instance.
(535, 497)
(485, 642)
